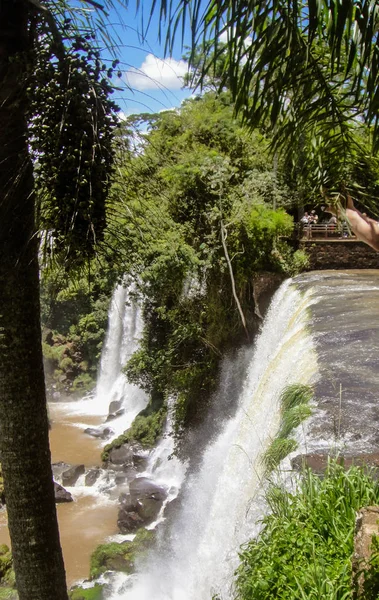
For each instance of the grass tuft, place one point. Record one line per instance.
(294, 406)
(278, 449)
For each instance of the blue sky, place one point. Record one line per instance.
(150, 82)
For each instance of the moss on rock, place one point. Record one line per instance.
(7, 576)
(8, 594)
(93, 593)
(120, 557)
(145, 429)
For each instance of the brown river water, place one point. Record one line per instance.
(90, 519)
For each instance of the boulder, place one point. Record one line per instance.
(121, 557)
(121, 456)
(114, 415)
(140, 457)
(58, 468)
(61, 495)
(121, 477)
(128, 520)
(114, 406)
(92, 476)
(103, 433)
(141, 506)
(72, 474)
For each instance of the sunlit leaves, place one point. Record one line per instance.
(304, 69)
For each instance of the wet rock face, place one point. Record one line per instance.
(121, 456)
(115, 414)
(61, 495)
(114, 406)
(58, 468)
(141, 506)
(72, 474)
(128, 457)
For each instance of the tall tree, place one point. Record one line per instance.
(51, 99)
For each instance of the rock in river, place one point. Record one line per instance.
(61, 495)
(141, 506)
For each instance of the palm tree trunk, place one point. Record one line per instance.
(24, 444)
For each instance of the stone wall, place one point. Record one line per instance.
(339, 254)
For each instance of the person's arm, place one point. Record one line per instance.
(365, 229)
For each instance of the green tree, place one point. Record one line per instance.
(41, 56)
(198, 208)
(307, 71)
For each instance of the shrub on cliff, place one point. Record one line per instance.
(93, 593)
(304, 549)
(120, 557)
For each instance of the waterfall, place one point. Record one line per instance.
(124, 331)
(221, 498)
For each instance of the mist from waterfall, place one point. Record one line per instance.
(221, 498)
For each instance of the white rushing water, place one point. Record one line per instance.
(221, 499)
(124, 331)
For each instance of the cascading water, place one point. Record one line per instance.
(221, 498)
(124, 330)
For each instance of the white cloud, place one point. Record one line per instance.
(155, 73)
(122, 115)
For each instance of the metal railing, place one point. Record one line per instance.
(324, 231)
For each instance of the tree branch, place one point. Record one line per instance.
(223, 240)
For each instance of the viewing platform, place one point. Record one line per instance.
(331, 246)
(323, 231)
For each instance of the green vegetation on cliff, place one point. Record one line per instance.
(201, 209)
(305, 547)
(193, 215)
(74, 316)
(146, 428)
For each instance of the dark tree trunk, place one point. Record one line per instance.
(24, 443)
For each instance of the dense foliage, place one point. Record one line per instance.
(74, 316)
(307, 71)
(305, 547)
(200, 209)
